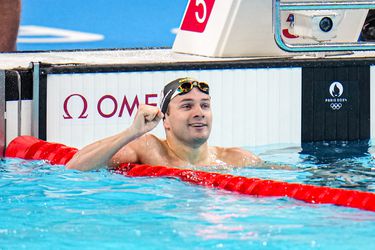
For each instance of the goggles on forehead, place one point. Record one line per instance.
(180, 87)
(186, 86)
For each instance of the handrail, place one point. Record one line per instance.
(329, 5)
(323, 46)
(2, 113)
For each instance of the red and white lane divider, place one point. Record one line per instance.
(28, 147)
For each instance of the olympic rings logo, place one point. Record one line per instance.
(336, 106)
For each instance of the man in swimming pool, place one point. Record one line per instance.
(185, 109)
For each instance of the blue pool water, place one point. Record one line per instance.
(49, 207)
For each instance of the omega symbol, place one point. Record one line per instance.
(83, 114)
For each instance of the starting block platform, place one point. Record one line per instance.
(237, 28)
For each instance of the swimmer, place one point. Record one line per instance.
(185, 110)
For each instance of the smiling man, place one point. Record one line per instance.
(185, 110)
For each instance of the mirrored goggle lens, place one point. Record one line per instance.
(188, 86)
(204, 87)
(185, 87)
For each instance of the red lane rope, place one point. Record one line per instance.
(28, 147)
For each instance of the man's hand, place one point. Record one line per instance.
(146, 119)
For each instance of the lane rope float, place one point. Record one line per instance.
(31, 148)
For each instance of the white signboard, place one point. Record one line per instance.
(250, 106)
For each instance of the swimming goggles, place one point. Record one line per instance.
(180, 86)
(187, 85)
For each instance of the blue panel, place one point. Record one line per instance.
(124, 23)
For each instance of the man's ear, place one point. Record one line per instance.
(166, 122)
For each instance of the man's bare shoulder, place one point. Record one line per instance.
(147, 142)
(149, 149)
(237, 156)
(141, 150)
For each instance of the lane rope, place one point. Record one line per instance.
(31, 148)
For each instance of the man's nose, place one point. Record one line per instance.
(198, 111)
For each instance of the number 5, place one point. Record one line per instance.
(203, 18)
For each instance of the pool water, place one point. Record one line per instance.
(49, 207)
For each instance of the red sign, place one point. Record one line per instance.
(197, 15)
(286, 33)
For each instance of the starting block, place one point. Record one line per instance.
(243, 28)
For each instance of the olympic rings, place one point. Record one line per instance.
(336, 106)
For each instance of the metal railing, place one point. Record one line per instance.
(2, 112)
(321, 5)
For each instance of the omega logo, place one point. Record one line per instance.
(117, 109)
(83, 114)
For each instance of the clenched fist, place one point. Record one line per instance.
(146, 119)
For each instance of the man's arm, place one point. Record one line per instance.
(239, 157)
(242, 158)
(100, 153)
(9, 23)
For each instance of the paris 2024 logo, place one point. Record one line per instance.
(336, 90)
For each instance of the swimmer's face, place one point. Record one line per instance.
(189, 117)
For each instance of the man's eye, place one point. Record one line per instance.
(205, 105)
(186, 106)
